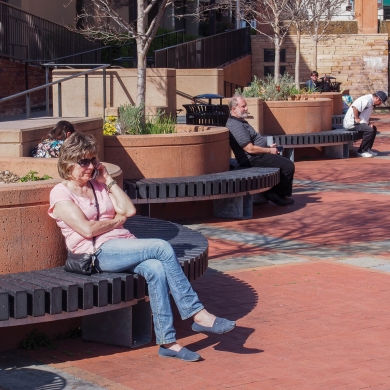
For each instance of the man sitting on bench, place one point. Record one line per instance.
(251, 150)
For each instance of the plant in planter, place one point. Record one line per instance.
(110, 125)
(130, 121)
(269, 90)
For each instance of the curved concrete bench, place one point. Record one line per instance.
(337, 142)
(114, 306)
(231, 191)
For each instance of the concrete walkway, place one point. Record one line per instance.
(308, 285)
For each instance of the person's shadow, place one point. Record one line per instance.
(225, 296)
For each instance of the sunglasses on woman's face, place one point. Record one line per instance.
(84, 162)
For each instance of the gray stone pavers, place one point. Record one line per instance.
(18, 372)
(254, 262)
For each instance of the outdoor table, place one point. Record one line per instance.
(209, 96)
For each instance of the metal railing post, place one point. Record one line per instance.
(86, 96)
(104, 92)
(59, 101)
(47, 91)
(27, 106)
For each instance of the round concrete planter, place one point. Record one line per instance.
(297, 116)
(30, 239)
(335, 97)
(192, 150)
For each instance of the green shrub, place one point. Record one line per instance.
(130, 121)
(267, 89)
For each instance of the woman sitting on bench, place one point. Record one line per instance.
(72, 204)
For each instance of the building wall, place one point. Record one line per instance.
(13, 80)
(359, 62)
(56, 11)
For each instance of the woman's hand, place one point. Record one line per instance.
(103, 176)
(120, 219)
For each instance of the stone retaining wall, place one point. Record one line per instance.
(359, 61)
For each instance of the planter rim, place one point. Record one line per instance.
(213, 134)
(30, 192)
(309, 102)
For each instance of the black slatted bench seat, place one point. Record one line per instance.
(114, 306)
(231, 191)
(337, 142)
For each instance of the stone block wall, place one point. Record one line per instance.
(358, 61)
(13, 80)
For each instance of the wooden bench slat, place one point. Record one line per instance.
(17, 299)
(35, 295)
(53, 292)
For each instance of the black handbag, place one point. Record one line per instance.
(83, 263)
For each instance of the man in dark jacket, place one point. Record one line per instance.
(251, 150)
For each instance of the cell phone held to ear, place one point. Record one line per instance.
(95, 174)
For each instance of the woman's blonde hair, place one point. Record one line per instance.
(75, 147)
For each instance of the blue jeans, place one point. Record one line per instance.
(156, 261)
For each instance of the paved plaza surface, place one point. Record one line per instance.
(308, 284)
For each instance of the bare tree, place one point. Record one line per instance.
(321, 13)
(301, 21)
(274, 13)
(102, 22)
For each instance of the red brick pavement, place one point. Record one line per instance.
(313, 325)
(317, 325)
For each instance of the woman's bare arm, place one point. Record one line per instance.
(71, 214)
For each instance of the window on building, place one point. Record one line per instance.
(270, 70)
(269, 55)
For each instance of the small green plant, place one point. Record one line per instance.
(130, 121)
(33, 176)
(159, 124)
(36, 339)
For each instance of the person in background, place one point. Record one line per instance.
(51, 144)
(251, 150)
(358, 118)
(347, 102)
(311, 84)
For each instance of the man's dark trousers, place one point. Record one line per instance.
(369, 134)
(287, 169)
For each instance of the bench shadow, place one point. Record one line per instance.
(24, 373)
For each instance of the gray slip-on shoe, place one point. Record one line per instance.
(221, 325)
(184, 354)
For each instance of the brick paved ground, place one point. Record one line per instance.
(308, 284)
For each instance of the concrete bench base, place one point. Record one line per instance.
(240, 207)
(128, 327)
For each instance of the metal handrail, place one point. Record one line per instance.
(208, 52)
(107, 47)
(59, 82)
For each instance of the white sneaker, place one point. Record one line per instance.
(364, 154)
(373, 154)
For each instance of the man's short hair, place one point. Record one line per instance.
(233, 101)
(314, 73)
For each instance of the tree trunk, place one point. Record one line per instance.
(315, 46)
(315, 55)
(277, 59)
(297, 58)
(141, 59)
